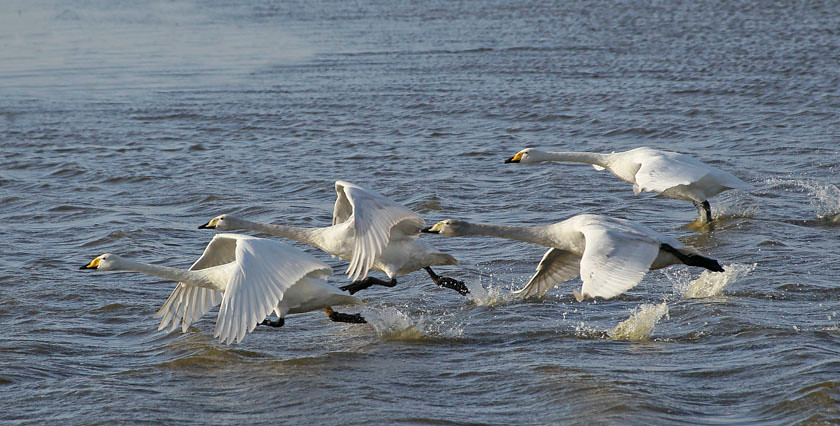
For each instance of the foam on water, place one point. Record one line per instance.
(640, 324)
(708, 284)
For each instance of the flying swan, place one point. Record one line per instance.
(370, 231)
(250, 277)
(610, 255)
(671, 174)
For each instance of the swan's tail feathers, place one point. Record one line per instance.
(579, 297)
(689, 258)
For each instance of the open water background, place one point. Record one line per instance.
(125, 125)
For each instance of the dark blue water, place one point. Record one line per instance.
(124, 126)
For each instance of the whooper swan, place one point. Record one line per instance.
(671, 174)
(250, 277)
(370, 231)
(610, 255)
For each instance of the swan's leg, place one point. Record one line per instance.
(268, 322)
(340, 317)
(693, 259)
(447, 282)
(367, 282)
(704, 211)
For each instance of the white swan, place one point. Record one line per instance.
(671, 174)
(610, 255)
(370, 231)
(250, 277)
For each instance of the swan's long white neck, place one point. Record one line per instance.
(528, 234)
(311, 236)
(601, 160)
(198, 278)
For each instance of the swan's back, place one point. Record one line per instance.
(676, 175)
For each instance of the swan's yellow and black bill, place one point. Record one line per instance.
(515, 159)
(93, 264)
(434, 229)
(210, 225)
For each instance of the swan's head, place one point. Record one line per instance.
(224, 222)
(106, 262)
(448, 228)
(526, 156)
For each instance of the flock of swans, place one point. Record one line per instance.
(252, 277)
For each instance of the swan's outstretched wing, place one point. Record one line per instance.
(343, 209)
(614, 260)
(661, 171)
(376, 220)
(556, 266)
(186, 304)
(264, 270)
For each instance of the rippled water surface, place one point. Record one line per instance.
(125, 125)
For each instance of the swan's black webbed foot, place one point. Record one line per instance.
(270, 323)
(693, 259)
(341, 317)
(704, 212)
(359, 285)
(447, 282)
(454, 284)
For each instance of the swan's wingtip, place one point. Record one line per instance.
(579, 297)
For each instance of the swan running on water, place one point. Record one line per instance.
(370, 231)
(610, 255)
(671, 174)
(250, 277)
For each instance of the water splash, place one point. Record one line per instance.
(708, 284)
(491, 296)
(825, 198)
(392, 324)
(640, 324)
(585, 331)
(733, 206)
